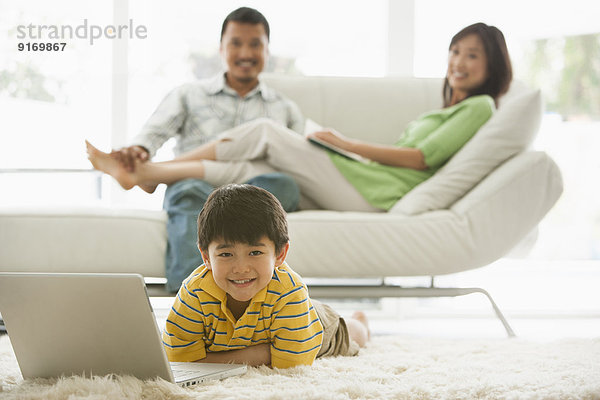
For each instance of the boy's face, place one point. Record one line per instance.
(243, 269)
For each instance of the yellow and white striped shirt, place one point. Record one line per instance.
(281, 314)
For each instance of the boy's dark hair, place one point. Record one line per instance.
(246, 15)
(242, 214)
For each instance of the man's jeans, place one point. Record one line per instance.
(183, 202)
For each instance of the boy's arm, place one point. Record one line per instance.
(253, 356)
(184, 332)
(296, 331)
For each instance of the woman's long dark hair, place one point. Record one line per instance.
(499, 68)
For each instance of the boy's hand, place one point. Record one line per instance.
(252, 356)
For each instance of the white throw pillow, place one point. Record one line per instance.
(508, 132)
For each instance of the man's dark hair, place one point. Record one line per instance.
(242, 214)
(246, 15)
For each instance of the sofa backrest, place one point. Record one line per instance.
(373, 109)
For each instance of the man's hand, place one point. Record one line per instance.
(127, 156)
(334, 137)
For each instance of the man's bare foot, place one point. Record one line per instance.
(109, 165)
(362, 318)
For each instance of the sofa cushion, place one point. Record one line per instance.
(510, 131)
(480, 228)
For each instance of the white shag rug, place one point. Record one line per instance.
(391, 367)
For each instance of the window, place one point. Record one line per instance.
(51, 101)
(561, 57)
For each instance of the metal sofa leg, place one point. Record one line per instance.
(454, 292)
(373, 291)
(384, 290)
(499, 314)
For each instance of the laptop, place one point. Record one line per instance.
(91, 324)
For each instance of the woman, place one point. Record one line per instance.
(479, 72)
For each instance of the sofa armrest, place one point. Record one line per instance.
(506, 206)
(67, 239)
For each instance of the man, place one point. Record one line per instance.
(197, 112)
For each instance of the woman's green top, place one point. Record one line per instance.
(438, 134)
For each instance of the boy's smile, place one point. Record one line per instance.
(243, 269)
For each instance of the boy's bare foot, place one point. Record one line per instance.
(358, 328)
(362, 318)
(104, 162)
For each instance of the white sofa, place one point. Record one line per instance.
(490, 196)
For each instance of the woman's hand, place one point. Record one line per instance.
(334, 137)
(395, 156)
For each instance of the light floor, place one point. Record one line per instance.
(542, 300)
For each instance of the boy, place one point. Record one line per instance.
(245, 304)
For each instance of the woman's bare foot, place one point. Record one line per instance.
(358, 328)
(148, 187)
(104, 162)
